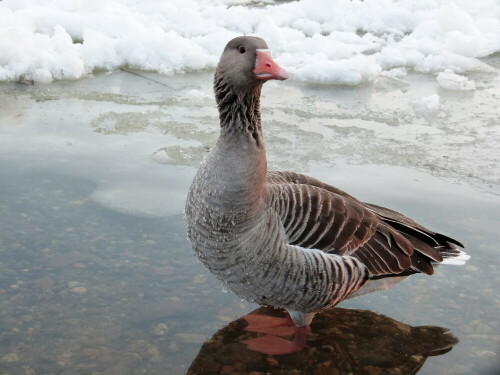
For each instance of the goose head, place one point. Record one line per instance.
(246, 63)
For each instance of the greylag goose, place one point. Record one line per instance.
(284, 239)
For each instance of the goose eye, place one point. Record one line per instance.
(241, 49)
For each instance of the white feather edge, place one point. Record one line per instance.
(458, 260)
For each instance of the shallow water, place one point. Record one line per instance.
(96, 274)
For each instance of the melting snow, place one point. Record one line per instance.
(332, 41)
(427, 104)
(451, 81)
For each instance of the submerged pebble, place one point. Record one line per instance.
(45, 283)
(173, 347)
(73, 284)
(79, 290)
(271, 361)
(10, 358)
(161, 329)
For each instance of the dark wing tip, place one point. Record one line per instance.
(441, 237)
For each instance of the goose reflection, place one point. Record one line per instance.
(358, 342)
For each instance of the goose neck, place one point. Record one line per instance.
(239, 110)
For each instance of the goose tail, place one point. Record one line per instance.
(456, 258)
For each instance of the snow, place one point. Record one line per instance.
(328, 41)
(451, 81)
(427, 104)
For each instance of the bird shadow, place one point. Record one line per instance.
(341, 341)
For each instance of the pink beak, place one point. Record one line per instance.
(266, 68)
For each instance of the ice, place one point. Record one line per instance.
(139, 142)
(340, 42)
(427, 104)
(451, 81)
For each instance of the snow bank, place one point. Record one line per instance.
(332, 41)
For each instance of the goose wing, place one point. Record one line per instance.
(318, 215)
(313, 217)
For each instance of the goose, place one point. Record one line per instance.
(284, 239)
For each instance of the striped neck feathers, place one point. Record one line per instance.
(239, 110)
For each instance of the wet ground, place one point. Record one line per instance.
(97, 276)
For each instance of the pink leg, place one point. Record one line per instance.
(275, 345)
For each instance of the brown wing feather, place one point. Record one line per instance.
(313, 217)
(316, 218)
(406, 225)
(297, 178)
(318, 215)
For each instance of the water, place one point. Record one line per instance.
(97, 276)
